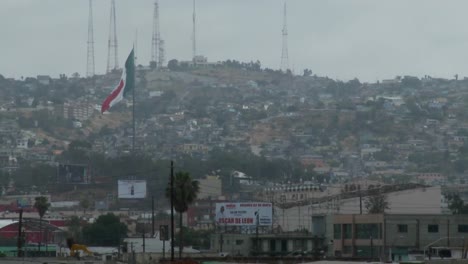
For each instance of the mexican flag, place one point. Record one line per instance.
(126, 84)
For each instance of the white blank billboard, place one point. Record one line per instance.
(131, 189)
(244, 214)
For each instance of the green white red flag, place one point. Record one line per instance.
(126, 84)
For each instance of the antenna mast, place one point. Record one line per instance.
(194, 36)
(90, 60)
(162, 55)
(112, 47)
(135, 48)
(284, 53)
(156, 40)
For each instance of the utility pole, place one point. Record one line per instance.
(152, 216)
(143, 237)
(20, 235)
(360, 201)
(172, 210)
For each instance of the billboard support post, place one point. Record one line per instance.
(256, 232)
(163, 236)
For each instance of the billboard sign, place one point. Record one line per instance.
(131, 189)
(244, 214)
(73, 173)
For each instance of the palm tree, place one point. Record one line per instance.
(185, 193)
(41, 205)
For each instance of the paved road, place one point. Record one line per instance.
(47, 260)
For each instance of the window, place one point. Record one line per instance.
(402, 228)
(433, 228)
(337, 231)
(462, 228)
(239, 242)
(347, 250)
(284, 245)
(272, 245)
(347, 231)
(366, 231)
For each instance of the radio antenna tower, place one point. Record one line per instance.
(112, 46)
(135, 48)
(194, 36)
(90, 61)
(162, 55)
(284, 53)
(156, 40)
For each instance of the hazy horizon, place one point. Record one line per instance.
(340, 39)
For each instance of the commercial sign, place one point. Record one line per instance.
(131, 189)
(244, 214)
(73, 173)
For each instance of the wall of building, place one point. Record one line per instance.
(425, 229)
(395, 234)
(282, 244)
(210, 187)
(414, 201)
(235, 244)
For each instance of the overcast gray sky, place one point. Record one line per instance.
(342, 39)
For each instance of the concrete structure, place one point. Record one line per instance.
(43, 79)
(210, 187)
(282, 244)
(78, 111)
(201, 214)
(292, 193)
(394, 237)
(411, 201)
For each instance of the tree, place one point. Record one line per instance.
(107, 231)
(74, 228)
(41, 205)
(307, 72)
(85, 204)
(376, 204)
(173, 65)
(456, 204)
(185, 192)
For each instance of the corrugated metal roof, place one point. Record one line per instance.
(6, 222)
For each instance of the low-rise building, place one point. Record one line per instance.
(394, 237)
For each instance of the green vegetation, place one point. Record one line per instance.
(41, 205)
(376, 204)
(456, 204)
(107, 231)
(185, 192)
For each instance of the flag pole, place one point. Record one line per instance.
(133, 100)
